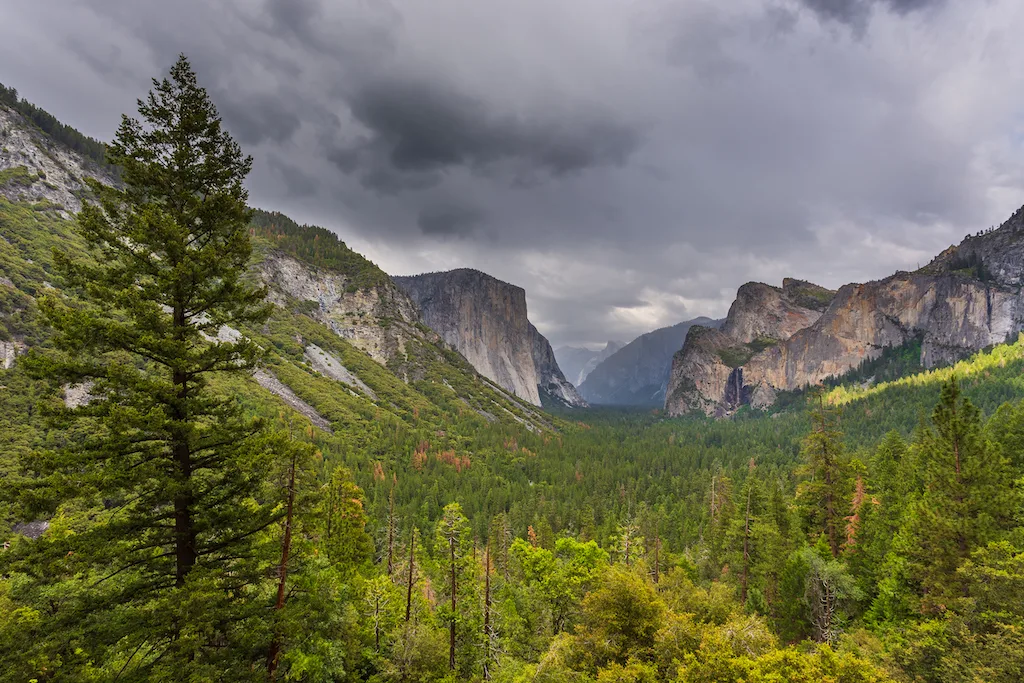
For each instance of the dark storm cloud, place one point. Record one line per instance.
(419, 127)
(256, 118)
(629, 164)
(294, 17)
(449, 219)
(855, 12)
(296, 181)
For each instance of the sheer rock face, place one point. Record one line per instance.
(967, 298)
(769, 313)
(707, 374)
(485, 320)
(953, 315)
(699, 375)
(550, 380)
(379, 320)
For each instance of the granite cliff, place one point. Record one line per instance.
(485, 320)
(704, 372)
(378, 320)
(969, 297)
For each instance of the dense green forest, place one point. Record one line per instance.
(199, 529)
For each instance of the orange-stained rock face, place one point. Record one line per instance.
(966, 299)
(708, 374)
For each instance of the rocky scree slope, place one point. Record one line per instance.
(638, 373)
(968, 298)
(485, 320)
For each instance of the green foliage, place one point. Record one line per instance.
(965, 500)
(735, 356)
(1008, 357)
(316, 246)
(170, 473)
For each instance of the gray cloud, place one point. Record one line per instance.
(258, 117)
(856, 12)
(449, 219)
(629, 164)
(297, 182)
(417, 127)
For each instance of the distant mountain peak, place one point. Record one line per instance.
(637, 373)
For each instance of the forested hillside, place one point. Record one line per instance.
(275, 472)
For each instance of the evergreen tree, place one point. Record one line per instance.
(967, 498)
(824, 493)
(172, 466)
(453, 548)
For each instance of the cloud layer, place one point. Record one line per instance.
(630, 164)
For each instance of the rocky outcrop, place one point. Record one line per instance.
(327, 364)
(33, 168)
(700, 373)
(378, 320)
(969, 297)
(275, 386)
(707, 374)
(9, 350)
(954, 316)
(769, 313)
(638, 373)
(485, 320)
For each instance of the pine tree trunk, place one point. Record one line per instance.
(184, 527)
(273, 656)
(391, 532)
(451, 626)
(487, 612)
(412, 560)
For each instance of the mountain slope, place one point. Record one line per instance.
(637, 374)
(968, 298)
(347, 351)
(485, 320)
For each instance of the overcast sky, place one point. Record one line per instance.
(630, 163)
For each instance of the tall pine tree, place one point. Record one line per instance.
(966, 500)
(171, 466)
